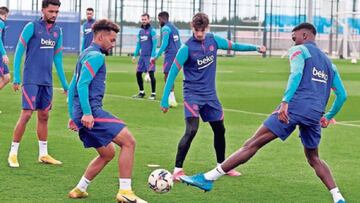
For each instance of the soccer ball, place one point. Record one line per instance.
(160, 181)
(147, 77)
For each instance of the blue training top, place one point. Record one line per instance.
(87, 87)
(87, 34)
(310, 82)
(43, 43)
(2, 37)
(146, 42)
(170, 42)
(199, 61)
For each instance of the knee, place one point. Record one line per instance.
(43, 117)
(25, 117)
(192, 132)
(130, 141)
(313, 161)
(6, 79)
(108, 157)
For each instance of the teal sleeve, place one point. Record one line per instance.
(83, 38)
(154, 42)
(137, 49)
(297, 57)
(71, 93)
(340, 93)
(2, 48)
(90, 66)
(229, 45)
(58, 58)
(180, 59)
(25, 36)
(165, 31)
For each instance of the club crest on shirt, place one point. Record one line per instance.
(55, 34)
(211, 48)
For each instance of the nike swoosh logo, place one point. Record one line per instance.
(129, 200)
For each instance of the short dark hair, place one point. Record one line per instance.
(105, 25)
(4, 10)
(46, 3)
(90, 9)
(164, 15)
(146, 14)
(307, 26)
(200, 21)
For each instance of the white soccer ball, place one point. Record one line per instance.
(147, 77)
(160, 181)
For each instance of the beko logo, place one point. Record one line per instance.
(143, 38)
(87, 30)
(47, 42)
(319, 75)
(205, 62)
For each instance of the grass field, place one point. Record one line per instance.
(246, 86)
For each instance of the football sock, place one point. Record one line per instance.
(43, 150)
(214, 174)
(124, 183)
(141, 91)
(176, 169)
(172, 96)
(153, 82)
(140, 81)
(192, 125)
(219, 139)
(14, 147)
(335, 192)
(83, 184)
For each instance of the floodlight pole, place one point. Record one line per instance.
(331, 27)
(310, 11)
(229, 27)
(121, 23)
(264, 32)
(270, 45)
(201, 6)
(235, 22)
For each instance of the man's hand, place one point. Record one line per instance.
(261, 49)
(133, 59)
(5, 59)
(324, 122)
(16, 87)
(87, 121)
(152, 60)
(72, 125)
(283, 113)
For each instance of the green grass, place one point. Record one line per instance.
(278, 173)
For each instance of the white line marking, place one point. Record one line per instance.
(344, 123)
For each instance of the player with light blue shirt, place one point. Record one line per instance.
(312, 76)
(170, 44)
(43, 42)
(98, 128)
(4, 60)
(146, 46)
(198, 58)
(86, 29)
